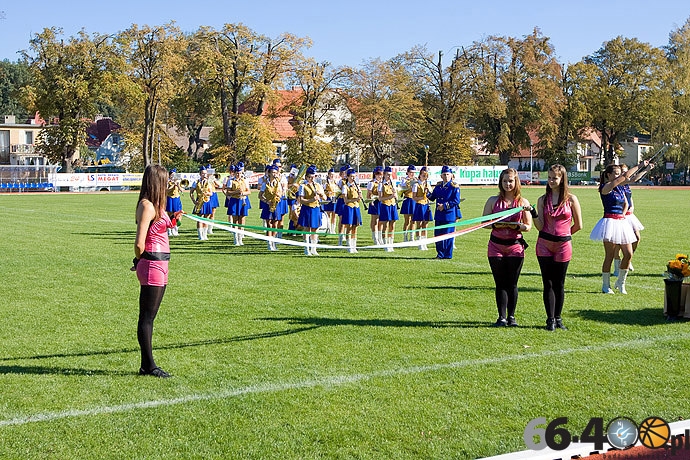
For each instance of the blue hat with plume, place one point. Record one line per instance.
(411, 168)
(311, 169)
(446, 169)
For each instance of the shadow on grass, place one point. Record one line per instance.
(199, 343)
(39, 370)
(377, 322)
(643, 317)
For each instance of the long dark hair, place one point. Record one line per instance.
(563, 191)
(154, 188)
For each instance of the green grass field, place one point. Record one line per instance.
(276, 355)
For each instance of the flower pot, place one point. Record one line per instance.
(673, 297)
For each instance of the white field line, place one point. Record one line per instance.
(328, 381)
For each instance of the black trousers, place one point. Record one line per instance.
(553, 278)
(150, 298)
(506, 271)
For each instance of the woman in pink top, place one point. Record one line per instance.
(558, 218)
(151, 255)
(506, 250)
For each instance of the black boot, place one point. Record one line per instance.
(559, 324)
(550, 324)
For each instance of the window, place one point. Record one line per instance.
(28, 137)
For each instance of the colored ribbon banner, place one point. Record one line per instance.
(474, 224)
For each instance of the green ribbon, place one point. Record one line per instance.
(462, 223)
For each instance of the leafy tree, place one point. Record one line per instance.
(317, 82)
(673, 110)
(154, 58)
(68, 79)
(13, 76)
(444, 93)
(618, 85)
(385, 112)
(253, 146)
(516, 90)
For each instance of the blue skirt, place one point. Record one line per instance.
(238, 207)
(387, 213)
(309, 217)
(282, 207)
(227, 203)
(351, 216)
(268, 215)
(374, 208)
(339, 205)
(173, 204)
(408, 206)
(329, 206)
(422, 213)
(214, 200)
(206, 209)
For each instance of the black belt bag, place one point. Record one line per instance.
(505, 242)
(164, 256)
(554, 238)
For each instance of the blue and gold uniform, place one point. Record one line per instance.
(446, 194)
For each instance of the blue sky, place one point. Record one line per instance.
(353, 31)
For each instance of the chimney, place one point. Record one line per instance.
(10, 120)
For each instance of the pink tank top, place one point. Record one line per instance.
(557, 221)
(506, 233)
(157, 235)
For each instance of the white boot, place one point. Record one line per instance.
(389, 240)
(170, 232)
(176, 231)
(349, 246)
(373, 237)
(354, 245)
(620, 282)
(307, 249)
(616, 266)
(199, 233)
(237, 239)
(315, 241)
(269, 245)
(606, 283)
(209, 230)
(405, 237)
(341, 238)
(379, 238)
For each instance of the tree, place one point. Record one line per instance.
(68, 79)
(516, 91)
(13, 77)
(672, 112)
(618, 85)
(317, 82)
(444, 93)
(154, 58)
(385, 112)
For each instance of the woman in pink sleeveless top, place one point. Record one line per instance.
(151, 255)
(558, 218)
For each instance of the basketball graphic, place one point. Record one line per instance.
(654, 432)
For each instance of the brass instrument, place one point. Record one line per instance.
(294, 185)
(184, 183)
(274, 194)
(203, 195)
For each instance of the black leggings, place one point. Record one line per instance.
(149, 302)
(553, 278)
(506, 271)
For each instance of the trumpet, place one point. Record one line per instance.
(184, 183)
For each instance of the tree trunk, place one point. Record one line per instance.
(225, 114)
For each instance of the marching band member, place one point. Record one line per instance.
(352, 216)
(310, 195)
(408, 204)
(506, 250)
(200, 193)
(340, 203)
(260, 184)
(422, 211)
(271, 194)
(214, 185)
(388, 211)
(173, 202)
(293, 186)
(244, 204)
(373, 198)
(332, 193)
(283, 204)
(236, 193)
(446, 193)
(227, 185)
